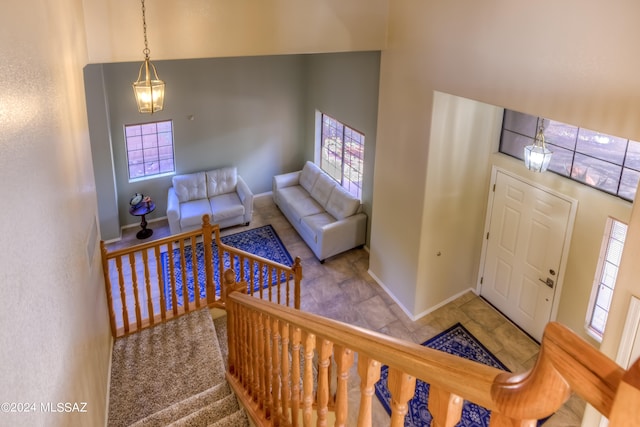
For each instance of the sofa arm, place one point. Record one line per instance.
(342, 235)
(173, 211)
(285, 180)
(246, 197)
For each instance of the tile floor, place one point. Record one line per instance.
(342, 289)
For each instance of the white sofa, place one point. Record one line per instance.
(327, 217)
(220, 193)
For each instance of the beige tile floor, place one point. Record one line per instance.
(342, 289)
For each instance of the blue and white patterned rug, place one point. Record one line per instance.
(262, 241)
(457, 341)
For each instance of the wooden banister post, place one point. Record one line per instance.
(297, 269)
(445, 407)
(208, 259)
(369, 372)
(401, 387)
(307, 382)
(344, 359)
(296, 340)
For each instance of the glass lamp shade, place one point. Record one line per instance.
(149, 91)
(537, 157)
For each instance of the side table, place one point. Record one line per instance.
(141, 210)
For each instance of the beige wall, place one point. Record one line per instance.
(458, 174)
(180, 29)
(55, 339)
(575, 61)
(572, 61)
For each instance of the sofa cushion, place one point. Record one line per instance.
(296, 200)
(191, 212)
(221, 181)
(190, 186)
(322, 188)
(305, 207)
(312, 224)
(225, 206)
(309, 175)
(342, 204)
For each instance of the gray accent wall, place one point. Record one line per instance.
(256, 113)
(345, 87)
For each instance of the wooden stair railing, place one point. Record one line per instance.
(140, 290)
(274, 351)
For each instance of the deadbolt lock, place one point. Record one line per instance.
(552, 272)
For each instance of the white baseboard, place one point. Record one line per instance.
(124, 227)
(137, 224)
(409, 314)
(443, 303)
(106, 413)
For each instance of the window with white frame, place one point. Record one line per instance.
(342, 154)
(606, 274)
(149, 149)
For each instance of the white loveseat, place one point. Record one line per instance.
(220, 193)
(327, 217)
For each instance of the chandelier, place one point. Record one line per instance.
(149, 90)
(537, 156)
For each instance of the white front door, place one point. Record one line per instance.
(526, 239)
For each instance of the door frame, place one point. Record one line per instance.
(567, 239)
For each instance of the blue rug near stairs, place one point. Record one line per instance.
(459, 342)
(262, 241)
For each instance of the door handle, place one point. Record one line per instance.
(549, 282)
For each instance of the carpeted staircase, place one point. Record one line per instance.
(173, 375)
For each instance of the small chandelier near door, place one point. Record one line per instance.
(537, 156)
(149, 91)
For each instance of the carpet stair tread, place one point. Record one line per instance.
(157, 367)
(185, 407)
(237, 419)
(210, 414)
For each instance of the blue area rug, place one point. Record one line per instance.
(262, 241)
(457, 341)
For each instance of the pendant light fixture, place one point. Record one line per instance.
(537, 156)
(149, 90)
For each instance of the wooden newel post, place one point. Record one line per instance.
(625, 410)
(297, 268)
(107, 286)
(207, 230)
(229, 286)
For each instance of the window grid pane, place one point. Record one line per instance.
(605, 162)
(342, 154)
(608, 272)
(149, 149)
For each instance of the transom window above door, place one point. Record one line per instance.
(606, 162)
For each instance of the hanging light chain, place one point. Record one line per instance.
(146, 50)
(539, 139)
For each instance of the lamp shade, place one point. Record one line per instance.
(150, 90)
(537, 157)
